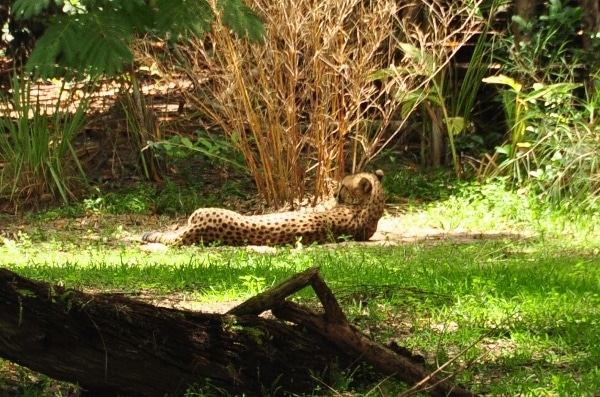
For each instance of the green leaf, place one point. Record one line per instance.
(392, 71)
(381, 74)
(502, 79)
(409, 100)
(24, 9)
(139, 15)
(455, 125)
(411, 51)
(187, 143)
(180, 17)
(419, 56)
(504, 149)
(44, 56)
(240, 18)
(541, 90)
(98, 42)
(93, 43)
(26, 292)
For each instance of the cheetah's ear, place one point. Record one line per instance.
(365, 185)
(379, 174)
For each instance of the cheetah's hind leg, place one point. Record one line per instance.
(152, 237)
(167, 238)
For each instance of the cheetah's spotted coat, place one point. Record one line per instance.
(359, 206)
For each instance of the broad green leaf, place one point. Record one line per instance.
(419, 56)
(187, 143)
(502, 79)
(504, 149)
(541, 90)
(411, 51)
(409, 100)
(456, 125)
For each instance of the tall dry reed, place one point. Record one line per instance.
(304, 106)
(300, 106)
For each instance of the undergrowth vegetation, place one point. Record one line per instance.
(502, 270)
(549, 97)
(39, 161)
(524, 288)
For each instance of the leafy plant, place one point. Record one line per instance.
(36, 145)
(552, 52)
(95, 37)
(552, 145)
(216, 148)
(426, 76)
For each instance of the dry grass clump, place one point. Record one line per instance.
(301, 103)
(305, 106)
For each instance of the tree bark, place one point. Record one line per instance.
(591, 21)
(110, 344)
(526, 9)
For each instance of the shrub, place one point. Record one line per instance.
(36, 152)
(300, 105)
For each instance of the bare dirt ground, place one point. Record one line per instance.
(392, 229)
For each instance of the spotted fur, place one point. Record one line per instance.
(359, 206)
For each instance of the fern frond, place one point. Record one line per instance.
(242, 20)
(94, 43)
(180, 17)
(108, 42)
(24, 9)
(99, 41)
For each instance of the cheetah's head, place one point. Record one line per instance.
(361, 189)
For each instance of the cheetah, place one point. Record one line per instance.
(359, 205)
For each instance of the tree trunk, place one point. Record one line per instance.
(526, 9)
(110, 344)
(591, 21)
(591, 27)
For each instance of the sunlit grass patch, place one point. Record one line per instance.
(528, 300)
(533, 305)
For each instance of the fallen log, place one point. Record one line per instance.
(333, 325)
(111, 345)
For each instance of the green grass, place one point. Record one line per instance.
(532, 303)
(541, 307)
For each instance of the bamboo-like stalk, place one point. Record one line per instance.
(296, 106)
(302, 107)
